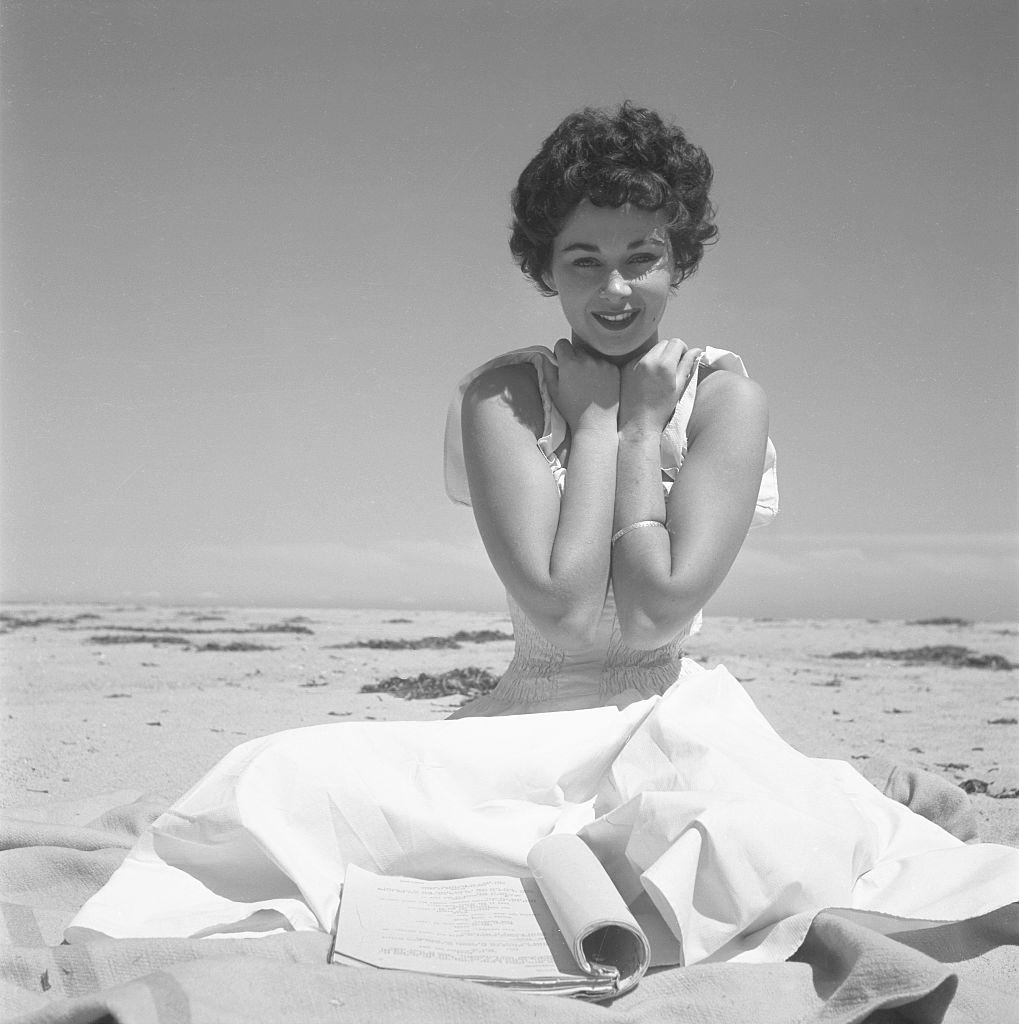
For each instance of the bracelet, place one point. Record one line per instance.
(636, 526)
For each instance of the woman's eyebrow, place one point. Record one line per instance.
(638, 244)
(583, 246)
(652, 239)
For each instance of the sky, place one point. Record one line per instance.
(249, 248)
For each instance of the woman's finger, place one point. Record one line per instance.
(689, 363)
(669, 354)
(676, 345)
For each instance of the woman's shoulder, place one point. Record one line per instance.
(500, 401)
(728, 383)
(511, 387)
(727, 393)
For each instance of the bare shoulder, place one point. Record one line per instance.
(730, 399)
(511, 389)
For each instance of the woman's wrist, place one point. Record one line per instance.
(601, 424)
(639, 434)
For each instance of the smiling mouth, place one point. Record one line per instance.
(617, 321)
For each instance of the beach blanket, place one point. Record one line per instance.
(53, 858)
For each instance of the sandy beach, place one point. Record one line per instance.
(100, 698)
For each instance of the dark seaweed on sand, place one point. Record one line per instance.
(942, 620)
(477, 636)
(138, 638)
(281, 627)
(950, 655)
(8, 622)
(482, 636)
(469, 682)
(433, 643)
(996, 793)
(166, 639)
(233, 645)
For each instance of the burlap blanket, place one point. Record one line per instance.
(52, 859)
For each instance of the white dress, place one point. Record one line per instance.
(542, 676)
(725, 841)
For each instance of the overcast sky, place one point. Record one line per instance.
(250, 247)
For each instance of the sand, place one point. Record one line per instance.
(82, 716)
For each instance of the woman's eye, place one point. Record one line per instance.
(643, 257)
(585, 261)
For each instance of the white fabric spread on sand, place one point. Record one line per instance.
(690, 799)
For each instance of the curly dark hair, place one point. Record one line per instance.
(612, 157)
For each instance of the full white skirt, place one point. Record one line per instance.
(724, 839)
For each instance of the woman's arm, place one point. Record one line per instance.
(662, 579)
(551, 555)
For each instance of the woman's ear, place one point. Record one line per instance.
(676, 276)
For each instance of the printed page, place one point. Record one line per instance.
(481, 927)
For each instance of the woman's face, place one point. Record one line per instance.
(612, 268)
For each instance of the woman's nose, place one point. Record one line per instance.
(616, 285)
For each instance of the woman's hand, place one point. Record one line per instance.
(585, 389)
(651, 386)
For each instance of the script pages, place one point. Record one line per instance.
(565, 931)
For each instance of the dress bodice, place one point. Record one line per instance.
(543, 676)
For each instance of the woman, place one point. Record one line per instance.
(607, 565)
(613, 483)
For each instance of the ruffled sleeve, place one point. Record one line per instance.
(553, 432)
(767, 496)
